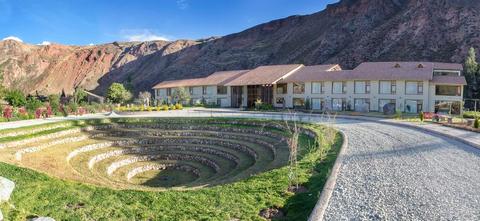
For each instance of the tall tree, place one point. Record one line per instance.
(471, 74)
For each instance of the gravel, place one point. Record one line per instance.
(396, 173)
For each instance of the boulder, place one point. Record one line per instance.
(6, 189)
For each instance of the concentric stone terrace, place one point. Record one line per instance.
(150, 154)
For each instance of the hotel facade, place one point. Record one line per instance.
(409, 87)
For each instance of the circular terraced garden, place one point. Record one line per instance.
(168, 163)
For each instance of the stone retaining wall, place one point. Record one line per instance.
(146, 168)
(183, 157)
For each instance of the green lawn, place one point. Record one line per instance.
(37, 194)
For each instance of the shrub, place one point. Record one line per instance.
(398, 114)
(33, 104)
(73, 107)
(165, 107)
(178, 106)
(476, 124)
(421, 116)
(8, 112)
(80, 96)
(54, 101)
(471, 114)
(16, 98)
(172, 107)
(38, 113)
(63, 110)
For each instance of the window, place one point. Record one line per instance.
(298, 88)
(338, 87)
(448, 90)
(221, 89)
(413, 106)
(204, 90)
(387, 87)
(317, 104)
(281, 88)
(362, 104)
(318, 88)
(446, 73)
(209, 90)
(362, 87)
(413, 87)
(384, 102)
(338, 104)
(190, 90)
(448, 107)
(169, 91)
(298, 102)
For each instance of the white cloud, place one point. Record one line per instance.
(12, 38)
(182, 4)
(142, 35)
(45, 43)
(91, 44)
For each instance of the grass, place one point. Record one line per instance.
(38, 194)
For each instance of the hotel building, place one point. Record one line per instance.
(409, 87)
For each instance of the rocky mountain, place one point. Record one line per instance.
(347, 33)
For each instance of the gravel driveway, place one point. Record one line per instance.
(395, 173)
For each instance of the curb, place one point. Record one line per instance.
(318, 212)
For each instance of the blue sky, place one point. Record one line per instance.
(81, 22)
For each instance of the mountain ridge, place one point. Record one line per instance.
(348, 32)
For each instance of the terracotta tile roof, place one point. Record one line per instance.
(222, 77)
(316, 73)
(420, 71)
(373, 71)
(178, 83)
(449, 80)
(217, 78)
(447, 66)
(264, 75)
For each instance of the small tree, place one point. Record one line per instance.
(80, 96)
(54, 100)
(471, 65)
(145, 97)
(476, 123)
(421, 115)
(117, 93)
(181, 95)
(15, 98)
(471, 74)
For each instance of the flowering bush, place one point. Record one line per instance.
(38, 113)
(178, 106)
(8, 112)
(49, 111)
